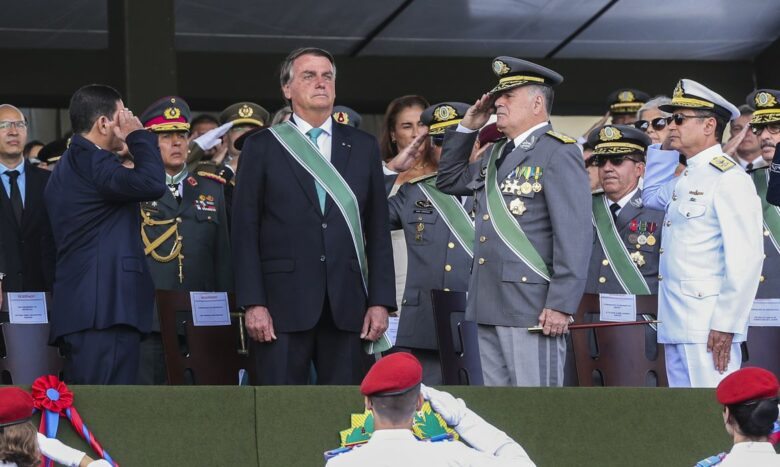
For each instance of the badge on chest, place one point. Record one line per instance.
(206, 203)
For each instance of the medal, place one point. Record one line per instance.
(537, 187)
(637, 258)
(651, 227)
(420, 227)
(633, 226)
(642, 239)
(651, 240)
(517, 207)
(526, 188)
(632, 238)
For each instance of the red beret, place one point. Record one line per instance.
(747, 384)
(16, 406)
(392, 375)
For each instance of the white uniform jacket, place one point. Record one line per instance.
(712, 246)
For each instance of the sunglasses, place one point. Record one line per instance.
(679, 119)
(658, 124)
(617, 161)
(772, 128)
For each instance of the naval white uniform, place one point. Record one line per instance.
(753, 454)
(712, 253)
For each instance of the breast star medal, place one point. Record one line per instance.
(517, 207)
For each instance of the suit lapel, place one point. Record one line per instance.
(32, 202)
(188, 195)
(629, 211)
(340, 150)
(305, 180)
(521, 153)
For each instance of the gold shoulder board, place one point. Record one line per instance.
(422, 177)
(212, 176)
(722, 163)
(561, 137)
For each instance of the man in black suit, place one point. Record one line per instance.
(103, 291)
(310, 292)
(27, 253)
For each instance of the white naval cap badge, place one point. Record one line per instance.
(609, 133)
(444, 113)
(245, 111)
(500, 68)
(678, 90)
(764, 99)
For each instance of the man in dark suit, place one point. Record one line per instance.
(310, 292)
(27, 246)
(103, 291)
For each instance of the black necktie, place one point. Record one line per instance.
(174, 187)
(16, 196)
(749, 167)
(614, 207)
(509, 147)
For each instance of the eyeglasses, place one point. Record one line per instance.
(679, 119)
(658, 124)
(772, 128)
(617, 161)
(6, 125)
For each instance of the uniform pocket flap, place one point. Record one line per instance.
(411, 297)
(278, 265)
(423, 215)
(207, 216)
(518, 271)
(690, 210)
(700, 288)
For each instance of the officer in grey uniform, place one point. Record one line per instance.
(437, 258)
(184, 233)
(620, 154)
(531, 194)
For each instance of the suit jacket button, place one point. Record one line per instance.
(660, 277)
(448, 268)
(450, 245)
(324, 225)
(482, 239)
(322, 258)
(524, 279)
(486, 217)
(602, 280)
(605, 262)
(761, 279)
(481, 261)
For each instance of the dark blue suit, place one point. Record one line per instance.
(102, 282)
(773, 190)
(301, 263)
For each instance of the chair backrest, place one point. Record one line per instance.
(458, 343)
(26, 353)
(200, 355)
(763, 348)
(618, 356)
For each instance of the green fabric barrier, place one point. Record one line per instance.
(293, 426)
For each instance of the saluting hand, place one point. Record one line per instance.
(409, 156)
(731, 146)
(375, 323)
(479, 113)
(126, 123)
(719, 343)
(259, 324)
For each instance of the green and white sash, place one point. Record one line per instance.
(504, 222)
(620, 261)
(771, 213)
(453, 213)
(310, 158)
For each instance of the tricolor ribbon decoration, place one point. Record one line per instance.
(53, 398)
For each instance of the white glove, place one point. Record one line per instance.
(472, 428)
(55, 450)
(213, 137)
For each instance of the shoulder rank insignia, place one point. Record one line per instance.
(722, 163)
(422, 177)
(561, 137)
(212, 176)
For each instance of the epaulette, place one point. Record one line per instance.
(722, 163)
(212, 176)
(422, 177)
(561, 137)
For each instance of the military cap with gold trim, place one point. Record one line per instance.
(618, 140)
(346, 116)
(443, 115)
(626, 101)
(52, 152)
(513, 72)
(767, 105)
(688, 94)
(245, 113)
(170, 113)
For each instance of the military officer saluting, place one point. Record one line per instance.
(531, 194)
(765, 124)
(712, 241)
(184, 233)
(627, 235)
(439, 236)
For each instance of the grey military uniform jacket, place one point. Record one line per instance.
(435, 261)
(205, 242)
(503, 290)
(769, 282)
(601, 277)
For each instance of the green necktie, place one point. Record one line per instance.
(313, 134)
